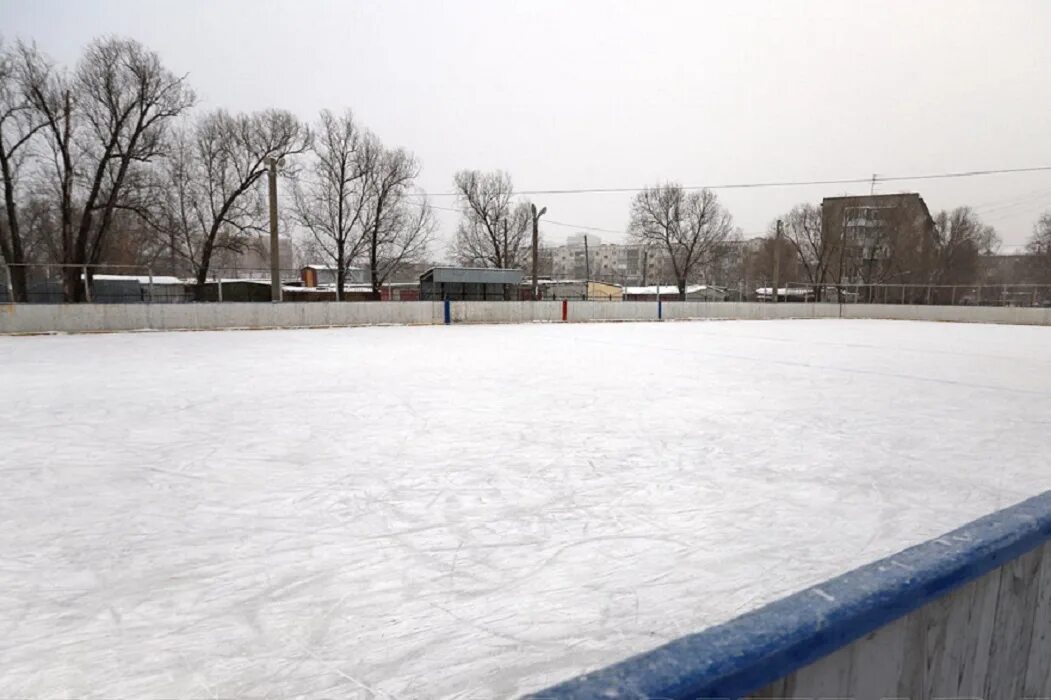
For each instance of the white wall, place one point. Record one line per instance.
(964, 314)
(502, 311)
(612, 311)
(74, 318)
(746, 310)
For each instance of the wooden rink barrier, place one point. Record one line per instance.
(967, 614)
(103, 318)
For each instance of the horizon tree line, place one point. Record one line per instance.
(109, 162)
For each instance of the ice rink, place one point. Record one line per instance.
(472, 511)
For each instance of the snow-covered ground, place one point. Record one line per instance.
(472, 511)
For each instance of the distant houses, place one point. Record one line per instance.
(469, 284)
(670, 292)
(325, 276)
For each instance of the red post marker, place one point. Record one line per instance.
(565, 310)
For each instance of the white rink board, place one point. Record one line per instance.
(472, 510)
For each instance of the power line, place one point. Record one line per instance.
(995, 206)
(583, 228)
(1002, 202)
(545, 221)
(868, 180)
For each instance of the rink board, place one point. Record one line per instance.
(965, 615)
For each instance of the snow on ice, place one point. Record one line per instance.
(472, 511)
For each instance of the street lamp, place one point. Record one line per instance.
(536, 244)
(273, 164)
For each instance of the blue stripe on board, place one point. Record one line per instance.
(743, 655)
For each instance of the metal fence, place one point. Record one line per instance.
(126, 284)
(53, 283)
(1018, 295)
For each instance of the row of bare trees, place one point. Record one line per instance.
(107, 163)
(897, 248)
(75, 146)
(695, 237)
(359, 202)
(692, 231)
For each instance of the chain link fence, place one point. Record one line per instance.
(53, 283)
(128, 284)
(1017, 295)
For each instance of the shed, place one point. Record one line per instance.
(113, 289)
(325, 276)
(557, 290)
(670, 292)
(469, 284)
(785, 294)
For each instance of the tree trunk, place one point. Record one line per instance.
(206, 259)
(13, 255)
(682, 289)
(17, 276)
(12, 251)
(374, 275)
(74, 285)
(341, 268)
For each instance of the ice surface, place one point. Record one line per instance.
(472, 511)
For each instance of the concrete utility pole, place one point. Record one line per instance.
(536, 246)
(777, 261)
(587, 267)
(275, 251)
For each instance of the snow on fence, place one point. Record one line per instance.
(967, 614)
(74, 318)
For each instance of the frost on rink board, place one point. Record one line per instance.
(472, 511)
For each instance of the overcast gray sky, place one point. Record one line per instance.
(624, 94)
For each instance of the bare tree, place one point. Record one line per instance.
(770, 252)
(493, 230)
(358, 202)
(18, 125)
(815, 252)
(885, 243)
(331, 203)
(214, 200)
(1039, 248)
(103, 123)
(399, 223)
(691, 227)
(960, 239)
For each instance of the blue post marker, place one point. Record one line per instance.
(448, 313)
(660, 306)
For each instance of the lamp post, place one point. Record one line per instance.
(536, 245)
(275, 252)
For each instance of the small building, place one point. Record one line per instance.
(358, 292)
(469, 284)
(799, 294)
(400, 291)
(324, 276)
(572, 290)
(604, 291)
(670, 292)
(122, 289)
(238, 290)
